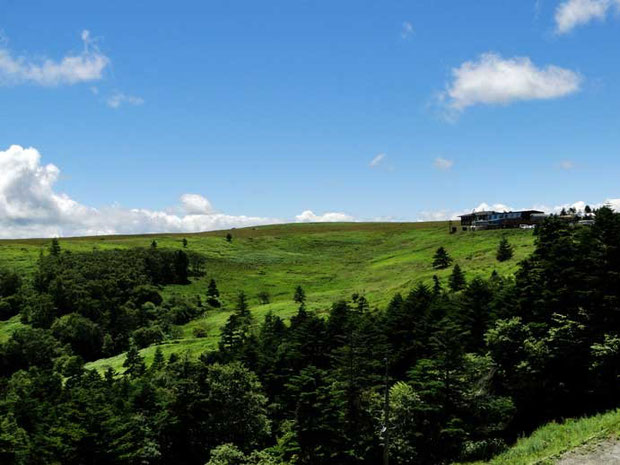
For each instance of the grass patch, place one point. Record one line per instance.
(547, 443)
(330, 260)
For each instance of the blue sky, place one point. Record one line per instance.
(269, 109)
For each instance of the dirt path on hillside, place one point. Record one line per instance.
(602, 453)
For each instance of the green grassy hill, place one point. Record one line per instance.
(329, 260)
(548, 443)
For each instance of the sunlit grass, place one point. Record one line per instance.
(547, 443)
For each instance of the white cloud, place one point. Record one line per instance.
(195, 204)
(118, 98)
(566, 165)
(443, 163)
(73, 68)
(309, 216)
(377, 160)
(493, 80)
(407, 30)
(573, 13)
(30, 207)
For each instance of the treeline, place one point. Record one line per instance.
(98, 302)
(470, 362)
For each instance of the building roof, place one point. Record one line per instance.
(492, 212)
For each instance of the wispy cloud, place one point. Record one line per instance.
(118, 98)
(573, 13)
(566, 165)
(73, 68)
(493, 80)
(377, 160)
(407, 30)
(443, 163)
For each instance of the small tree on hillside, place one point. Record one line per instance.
(184, 243)
(228, 237)
(55, 247)
(134, 363)
(457, 279)
(213, 294)
(504, 250)
(300, 296)
(154, 244)
(441, 259)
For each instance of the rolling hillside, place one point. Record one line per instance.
(329, 260)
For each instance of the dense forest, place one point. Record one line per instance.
(469, 364)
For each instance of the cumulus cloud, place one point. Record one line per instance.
(85, 66)
(118, 98)
(443, 163)
(30, 207)
(407, 30)
(196, 204)
(377, 160)
(493, 80)
(309, 216)
(573, 13)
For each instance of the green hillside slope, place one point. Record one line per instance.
(329, 260)
(548, 443)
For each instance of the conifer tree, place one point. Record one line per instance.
(441, 259)
(436, 285)
(184, 243)
(300, 296)
(228, 237)
(213, 294)
(504, 250)
(134, 363)
(457, 279)
(153, 244)
(55, 247)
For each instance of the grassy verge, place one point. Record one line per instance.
(547, 443)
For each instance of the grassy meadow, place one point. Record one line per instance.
(330, 261)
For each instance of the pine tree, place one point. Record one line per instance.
(55, 247)
(153, 244)
(213, 294)
(184, 243)
(504, 250)
(158, 360)
(457, 279)
(228, 237)
(441, 259)
(300, 296)
(134, 363)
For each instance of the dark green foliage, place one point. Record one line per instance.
(441, 259)
(185, 243)
(299, 296)
(457, 279)
(504, 250)
(263, 297)
(469, 370)
(213, 295)
(228, 237)
(55, 247)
